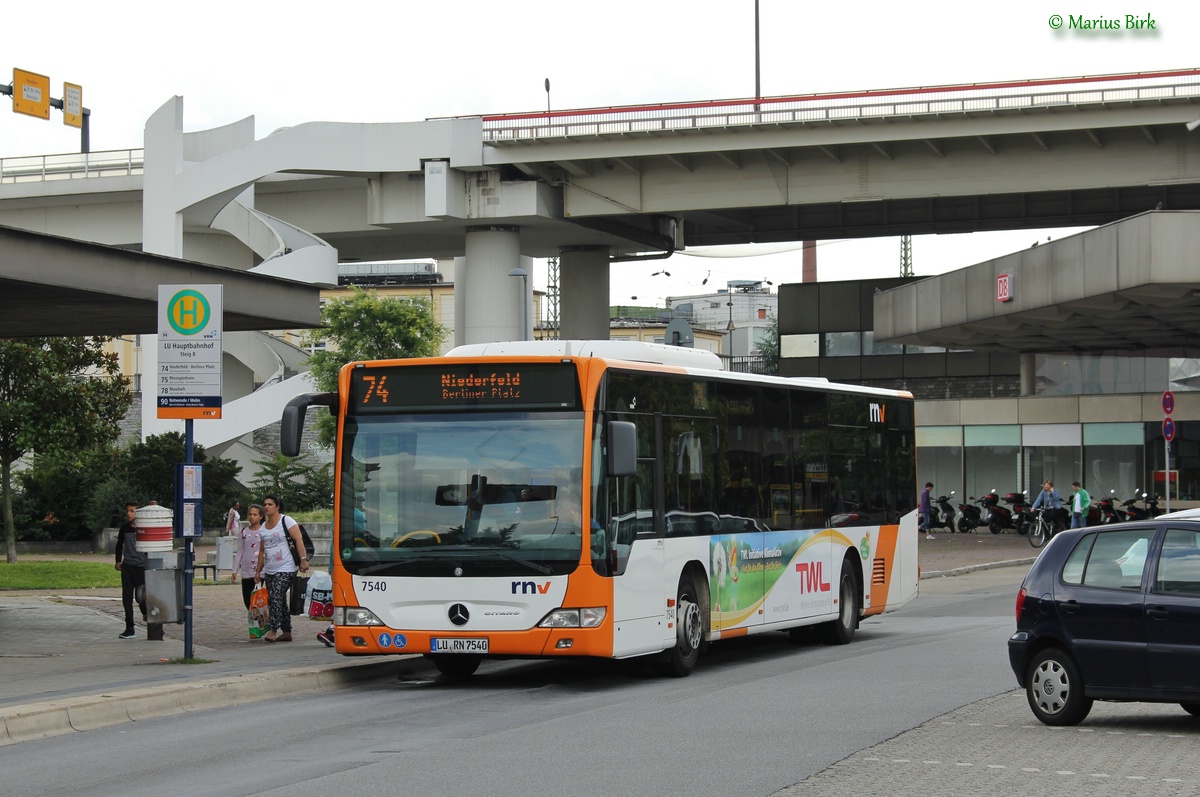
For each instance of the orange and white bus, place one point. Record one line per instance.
(608, 499)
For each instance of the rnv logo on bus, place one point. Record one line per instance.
(877, 412)
(811, 577)
(530, 588)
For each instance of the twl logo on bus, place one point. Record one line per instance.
(812, 579)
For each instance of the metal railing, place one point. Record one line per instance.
(71, 166)
(830, 108)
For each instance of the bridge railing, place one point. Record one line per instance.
(71, 166)
(971, 98)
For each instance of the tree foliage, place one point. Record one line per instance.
(148, 467)
(59, 397)
(367, 326)
(301, 486)
(767, 347)
(64, 487)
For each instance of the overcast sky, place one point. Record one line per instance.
(286, 63)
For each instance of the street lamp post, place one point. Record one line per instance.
(524, 275)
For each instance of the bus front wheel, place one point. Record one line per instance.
(456, 665)
(689, 633)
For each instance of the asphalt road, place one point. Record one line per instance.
(758, 716)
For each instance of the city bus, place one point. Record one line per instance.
(608, 499)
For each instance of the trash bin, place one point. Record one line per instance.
(155, 531)
(226, 546)
(164, 587)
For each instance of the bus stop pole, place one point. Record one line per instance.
(188, 554)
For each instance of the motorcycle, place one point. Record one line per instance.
(970, 516)
(1110, 511)
(1000, 517)
(942, 516)
(1148, 510)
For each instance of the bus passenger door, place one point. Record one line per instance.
(639, 611)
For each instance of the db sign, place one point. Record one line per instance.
(1004, 288)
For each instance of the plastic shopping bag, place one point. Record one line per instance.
(259, 616)
(320, 596)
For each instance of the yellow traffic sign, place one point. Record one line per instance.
(72, 100)
(31, 93)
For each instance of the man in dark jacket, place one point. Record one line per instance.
(132, 564)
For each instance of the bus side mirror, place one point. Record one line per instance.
(622, 448)
(291, 428)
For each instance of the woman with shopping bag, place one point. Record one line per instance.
(276, 565)
(245, 558)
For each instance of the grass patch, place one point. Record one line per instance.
(58, 575)
(68, 575)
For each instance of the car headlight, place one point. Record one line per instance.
(588, 617)
(354, 615)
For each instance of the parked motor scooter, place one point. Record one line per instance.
(1149, 508)
(1000, 517)
(942, 516)
(1110, 511)
(970, 516)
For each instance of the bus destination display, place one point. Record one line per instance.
(452, 386)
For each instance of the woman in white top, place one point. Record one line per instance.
(245, 558)
(276, 566)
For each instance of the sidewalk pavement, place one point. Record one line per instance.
(65, 669)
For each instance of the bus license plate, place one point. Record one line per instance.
(458, 645)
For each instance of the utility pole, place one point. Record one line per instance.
(552, 298)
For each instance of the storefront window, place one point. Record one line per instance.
(1113, 460)
(991, 459)
(940, 460)
(871, 346)
(843, 344)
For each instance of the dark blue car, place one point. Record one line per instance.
(1111, 613)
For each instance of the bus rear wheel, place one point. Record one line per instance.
(841, 630)
(689, 633)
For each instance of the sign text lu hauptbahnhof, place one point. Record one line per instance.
(189, 351)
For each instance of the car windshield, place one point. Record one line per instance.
(463, 494)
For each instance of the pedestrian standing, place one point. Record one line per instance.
(1080, 503)
(276, 566)
(132, 564)
(233, 519)
(245, 558)
(925, 511)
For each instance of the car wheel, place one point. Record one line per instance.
(1191, 708)
(457, 665)
(1054, 689)
(841, 630)
(689, 633)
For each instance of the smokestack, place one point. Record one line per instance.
(809, 273)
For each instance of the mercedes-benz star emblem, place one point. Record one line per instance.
(459, 614)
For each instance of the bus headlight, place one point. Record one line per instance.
(354, 615)
(587, 617)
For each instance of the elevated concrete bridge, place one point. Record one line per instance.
(598, 186)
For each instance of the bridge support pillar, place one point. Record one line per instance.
(583, 279)
(488, 303)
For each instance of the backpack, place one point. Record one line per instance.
(309, 548)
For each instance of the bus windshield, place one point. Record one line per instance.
(461, 494)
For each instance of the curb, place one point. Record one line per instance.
(59, 717)
(960, 571)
